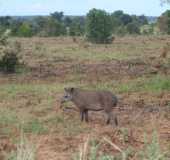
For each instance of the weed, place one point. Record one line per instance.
(152, 150)
(125, 134)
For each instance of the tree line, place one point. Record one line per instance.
(98, 26)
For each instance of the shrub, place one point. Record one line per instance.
(9, 54)
(25, 30)
(9, 61)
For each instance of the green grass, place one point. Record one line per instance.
(153, 84)
(12, 121)
(152, 150)
(8, 117)
(122, 48)
(26, 150)
(142, 84)
(34, 126)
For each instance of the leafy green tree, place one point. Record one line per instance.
(25, 30)
(98, 26)
(164, 22)
(165, 1)
(133, 28)
(76, 27)
(67, 21)
(15, 26)
(55, 28)
(142, 20)
(125, 19)
(121, 18)
(58, 16)
(123, 23)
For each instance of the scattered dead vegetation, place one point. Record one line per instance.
(135, 68)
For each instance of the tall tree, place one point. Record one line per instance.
(98, 26)
(164, 22)
(58, 16)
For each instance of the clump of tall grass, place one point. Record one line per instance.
(25, 150)
(152, 150)
(90, 151)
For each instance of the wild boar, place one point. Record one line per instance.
(87, 100)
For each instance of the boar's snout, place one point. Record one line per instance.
(61, 102)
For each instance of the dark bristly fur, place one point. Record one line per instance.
(87, 100)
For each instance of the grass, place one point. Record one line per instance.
(11, 90)
(92, 151)
(152, 150)
(143, 84)
(25, 150)
(122, 48)
(153, 84)
(8, 117)
(30, 106)
(11, 121)
(67, 125)
(35, 127)
(8, 121)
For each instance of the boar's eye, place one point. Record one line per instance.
(65, 96)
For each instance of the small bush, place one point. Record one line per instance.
(9, 54)
(9, 61)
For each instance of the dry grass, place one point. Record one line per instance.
(130, 67)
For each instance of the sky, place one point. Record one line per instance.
(80, 7)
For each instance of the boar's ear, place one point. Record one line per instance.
(72, 90)
(65, 89)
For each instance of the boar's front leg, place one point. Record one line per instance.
(84, 114)
(110, 116)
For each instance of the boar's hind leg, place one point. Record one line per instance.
(86, 115)
(82, 115)
(115, 120)
(109, 115)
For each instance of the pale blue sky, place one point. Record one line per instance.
(80, 7)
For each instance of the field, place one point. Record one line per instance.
(136, 69)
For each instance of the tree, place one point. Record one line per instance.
(165, 1)
(58, 16)
(132, 28)
(98, 26)
(76, 27)
(54, 28)
(25, 30)
(67, 21)
(164, 22)
(125, 18)
(142, 20)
